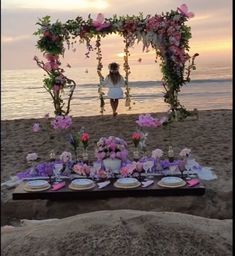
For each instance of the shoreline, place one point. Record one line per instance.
(110, 115)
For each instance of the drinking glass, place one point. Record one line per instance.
(57, 171)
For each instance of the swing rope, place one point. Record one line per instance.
(99, 69)
(101, 78)
(127, 73)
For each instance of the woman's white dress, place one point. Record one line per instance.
(115, 91)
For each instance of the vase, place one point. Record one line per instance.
(85, 156)
(112, 164)
(136, 155)
(158, 165)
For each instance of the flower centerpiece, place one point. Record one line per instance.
(112, 151)
(82, 169)
(84, 139)
(157, 154)
(136, 137)
(75, 141)
(184, 154)
(30, 158)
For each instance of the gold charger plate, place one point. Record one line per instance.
(130, 186)
(28, 189)
(172, 186)
(85, 188)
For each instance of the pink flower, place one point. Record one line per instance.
(99, 23)
(183, 9)
(36, 127)
(46, 116)
(85, 137)
(102, 174)
(78, 168)
(127, 170)
(136, 136)
(56, 88)
(153, 23)
(86, 169)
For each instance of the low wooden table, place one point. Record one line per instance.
(108, 191)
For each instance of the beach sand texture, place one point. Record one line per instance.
(121, 232)
(209, 138)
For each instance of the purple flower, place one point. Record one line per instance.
(61, 122)
(148, 121)
(36, 127)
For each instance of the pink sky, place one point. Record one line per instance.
(211, 29)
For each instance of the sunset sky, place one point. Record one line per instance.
(211, 29)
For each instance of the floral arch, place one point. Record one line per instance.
(166, 33)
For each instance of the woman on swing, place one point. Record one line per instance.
(114, 81)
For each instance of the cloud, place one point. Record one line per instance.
(11, 39)
(57, 5)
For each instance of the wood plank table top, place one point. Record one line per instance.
(109, 191)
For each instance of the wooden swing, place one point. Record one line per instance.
(126, 78)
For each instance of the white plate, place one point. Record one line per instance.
(82, 182)
(171, 180)
(37, 183)
(127, 181)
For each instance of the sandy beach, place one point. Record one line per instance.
(209, 138)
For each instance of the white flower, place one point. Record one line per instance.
(157, 153)
(32, 157)
(185, 152)
(66, 157)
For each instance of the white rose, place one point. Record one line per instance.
(32, 157)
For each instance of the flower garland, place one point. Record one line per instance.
(99, 69)
(167, 34)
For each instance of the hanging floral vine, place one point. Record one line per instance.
(166, 33)
(99, 69)
(127, 73)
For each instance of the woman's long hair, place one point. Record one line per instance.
(114, 74)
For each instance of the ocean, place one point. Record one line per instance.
(23, 95)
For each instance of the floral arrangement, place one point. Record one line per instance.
(84, 139)
(32, 157)
(146, 120)
(82, 169)
(136, 137)
(58, 123)
(111, 147)
(102, 174)
(66, 157)
(185, 152)
(61, 122)
(157, 153)
(74, 140)
(166, 33)
(127, 170)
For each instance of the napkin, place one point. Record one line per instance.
(58, 186)
(193, 182)
(147, 183)
(103, 184)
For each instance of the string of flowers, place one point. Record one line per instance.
(99, 69)
(127, 73)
